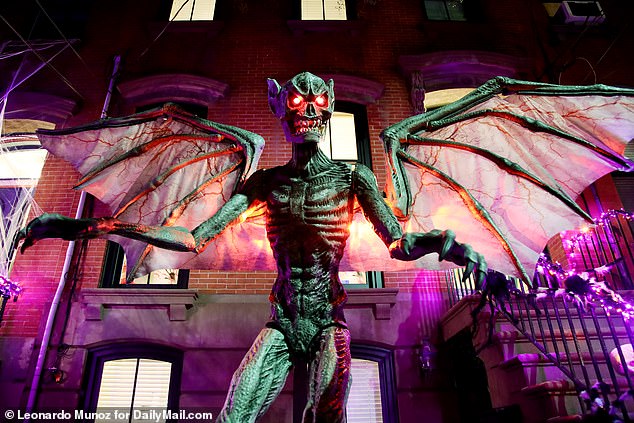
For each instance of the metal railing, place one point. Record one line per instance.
(581, 325)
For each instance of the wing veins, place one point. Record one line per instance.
(141, 149)
(474, 206)
(160, 179)
(531, 124)
(177, 212)
(507, 165)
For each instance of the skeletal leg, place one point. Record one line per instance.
(329, 378)
(258, 380)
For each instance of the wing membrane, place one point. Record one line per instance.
(503, 166)
(167, 167)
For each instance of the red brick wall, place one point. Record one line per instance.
(250, 47)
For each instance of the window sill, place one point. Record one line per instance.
(299, 27)
(176, 301)
(380, 300)
(209, 28)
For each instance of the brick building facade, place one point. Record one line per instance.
(385, 57)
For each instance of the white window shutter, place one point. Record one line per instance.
(144, 381)
(364, 400)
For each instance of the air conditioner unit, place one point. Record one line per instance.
(581, 12)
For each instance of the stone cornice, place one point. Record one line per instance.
(355, 89)
(172, 87)
(461, 68)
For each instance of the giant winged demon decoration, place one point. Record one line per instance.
(501, 168)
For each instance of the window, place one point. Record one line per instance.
(347, 136)
(192, 10)
(347, 139)
(453, 10)
(324, 10)
(445, 10)
(130, 383)
(21, 163)
(340, 142)
(364, 400)
(372, 397)
(132, 377)
(113, 274)
(624, 183)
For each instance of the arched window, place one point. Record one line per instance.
(373, 397)
(128, 377)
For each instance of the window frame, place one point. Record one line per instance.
(364, 156)
(97, 356)
(471, 11)
(351, 12)
(113, 265)
(387, 376)
(361, 127)
(165, 12)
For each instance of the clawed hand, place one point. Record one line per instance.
(52, 225)
(415, 245)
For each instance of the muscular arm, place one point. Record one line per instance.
(374, 207)
(171, 238)
(410, 246)
(251, 191)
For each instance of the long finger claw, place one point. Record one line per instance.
(481, 276)
(468, 271)
(449, 238)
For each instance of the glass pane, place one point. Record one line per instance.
(436, 10)
(153, 383)
(340, 142)
(335, 10)
(318, 10)
(181, 10)
(22, 165)
(117, 384)
(364, 401)
(456, 11)
(118, 389)
(353, 278)
(204, 10)
(312, 10)
(157, 277)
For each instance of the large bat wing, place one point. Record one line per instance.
(166, 167)
(503, 166)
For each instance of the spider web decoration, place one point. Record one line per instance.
(21, 60)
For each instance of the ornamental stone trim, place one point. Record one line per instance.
(381, 300)
(40, 106)
(355, 88)
(173, 87)
(176, 301)
(461, 68)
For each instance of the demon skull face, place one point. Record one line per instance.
(304, 104)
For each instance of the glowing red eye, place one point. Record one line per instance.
(297, 100)
(321, 100)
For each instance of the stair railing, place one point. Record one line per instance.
(579, 324)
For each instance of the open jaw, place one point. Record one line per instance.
(303, 126)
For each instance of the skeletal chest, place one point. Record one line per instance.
(308, 200)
